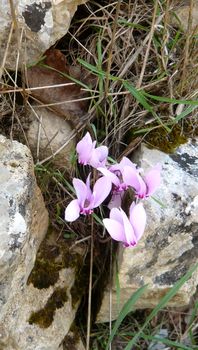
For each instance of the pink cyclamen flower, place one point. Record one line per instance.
(143, 186)
(87, 199)
(124, 229)
(119, 167)
(89, 154)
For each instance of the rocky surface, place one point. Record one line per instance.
(24, 222)
(40, 278)
(37, 26)
(170, 243)
(181, 17)
(47, 135)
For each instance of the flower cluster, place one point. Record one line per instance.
(115, 180)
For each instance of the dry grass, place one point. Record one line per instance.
(135, 41)
(132, 41)
(125, 41)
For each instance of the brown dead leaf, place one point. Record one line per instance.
(66, 101)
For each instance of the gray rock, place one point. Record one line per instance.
(170, 243)
(38, 294)
(163, 333)
(47, 136)
(182, 14)
(23, 225)
(39, 24)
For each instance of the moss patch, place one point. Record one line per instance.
(54, 255)
(72, 339)
(44, 317)
(44, 274)
(164, 141)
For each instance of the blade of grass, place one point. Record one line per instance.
(139, 96)
(99, 66)
(98, 220)
(133, 25)
(128, 306)
(117, 287)
(165, 341)
(186, 112)
(162, 304)
(96, 71)
(170, 100)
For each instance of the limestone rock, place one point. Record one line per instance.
(38, 291)
(48, 135)
(169, 246)
(39, 24)
(24, 222)
(182, 15)
(73, 341)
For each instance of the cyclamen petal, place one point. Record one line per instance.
(115, 214)
(132, 178)
(115, 229)
(115, 201)
(124, 229)
(101, 190)
(113, 178)
(120, 166)
(81, 190)
(84, 148)
(153, 179)
(89, 154)
(72, 212)
(99, 156)
(137, 217)
(130, 239)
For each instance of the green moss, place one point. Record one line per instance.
(71, 340)
(164, 141)
(46, 269)
(44, 274)
(53, 256)
(44, 317)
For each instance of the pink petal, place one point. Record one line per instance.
(115, 214)
(101, 190)
(127, 162)
(115, 229)
(153, 179)
(115, 167)
(113, 178)
(115, 201)
(72, 211)
(94, 159)
(133, 179)
(81, 190)
(137, 219)
(89, 191)
(120, 166)
(128, 229)
(84, 148)
(102, 152)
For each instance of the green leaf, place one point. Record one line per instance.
(163, 302)
(159, 202)
(69, 235)
(165, 341)
(98, 220)
(133, 25)
(186, 112)
(128, 307)
(170, 100)
(139, 96)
